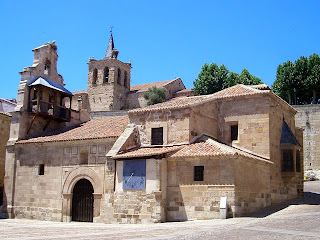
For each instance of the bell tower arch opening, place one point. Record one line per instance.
(82, 201)
(108, 81)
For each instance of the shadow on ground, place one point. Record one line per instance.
(309, 198)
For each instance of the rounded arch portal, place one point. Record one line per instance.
(82, 201)
(81, 173)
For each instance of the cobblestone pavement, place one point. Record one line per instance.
(297, 219)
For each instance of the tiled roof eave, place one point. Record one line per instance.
(62, 140)
(208, 99)
(235, 155)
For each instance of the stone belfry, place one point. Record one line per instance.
(108, 81)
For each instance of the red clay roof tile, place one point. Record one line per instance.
(94, 129)
(146, 86)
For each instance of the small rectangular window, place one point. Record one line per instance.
(298, 162)
(157, 136)
(198, 173)
(287, 161)
(41, 169)
(234, 132)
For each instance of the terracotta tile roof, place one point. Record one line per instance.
(237, 90)
(146, 86)
(175, 103)
(185, 91)
(94, 129)
(182, 102)
(147, 151)
(80, 92)
(209, 147)
(205, 146)
(260, 86)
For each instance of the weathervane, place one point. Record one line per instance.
(111, 29)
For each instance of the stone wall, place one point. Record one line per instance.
(252, 186)
(137, 100)
(284, 187)
(204, 120)
(308, 118)
(251, 115)
(175, 125)
(40, 196)
(188, 199)
(5, 121)
(111, 95)
(140, 205)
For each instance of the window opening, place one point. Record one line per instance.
(198, 173)
(234, 132)
(41, 169)
(298, 161)
(157, 136)
(119, 76)
(125, 83)
(94, 77)
(287, 161)
(106, 75)
(47, 67)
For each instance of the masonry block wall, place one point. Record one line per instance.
(140, 205)
(188, 199)
(252, 186)
(308, 118)
(5, 121)
(42, 196)
(175, 125)
(251, 115)
(111, 94)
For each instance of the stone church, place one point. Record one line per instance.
(102, 155)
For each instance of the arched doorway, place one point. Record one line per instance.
(82, 201)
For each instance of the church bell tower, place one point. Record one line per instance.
(108, 81)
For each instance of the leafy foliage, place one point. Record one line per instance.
(155, 95)
(213, 78)
(299, 82)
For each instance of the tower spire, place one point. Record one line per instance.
(111, 51)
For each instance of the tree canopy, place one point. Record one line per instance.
(213, 78)
(299, 82)
(155, 95)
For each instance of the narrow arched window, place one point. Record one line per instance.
(94, 76)
(47, 66)
(119, 76)
(106, 75)
(125, 80)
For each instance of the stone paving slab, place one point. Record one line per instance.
(298, 219)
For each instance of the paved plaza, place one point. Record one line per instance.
(297, 219)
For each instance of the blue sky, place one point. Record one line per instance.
(163, 39)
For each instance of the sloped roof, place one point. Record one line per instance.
(94, 129)
(147, 152)
(287, 137)
(260, 86)
(203, 147)
(146, 86)
(50, 84)
(110, 47)
(182, 102)
(80, 92)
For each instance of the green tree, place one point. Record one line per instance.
(284, 84)
(213, 78)
(247, 79)
(299, 82)
(155, 95)
(232, 79)
(313, 80)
